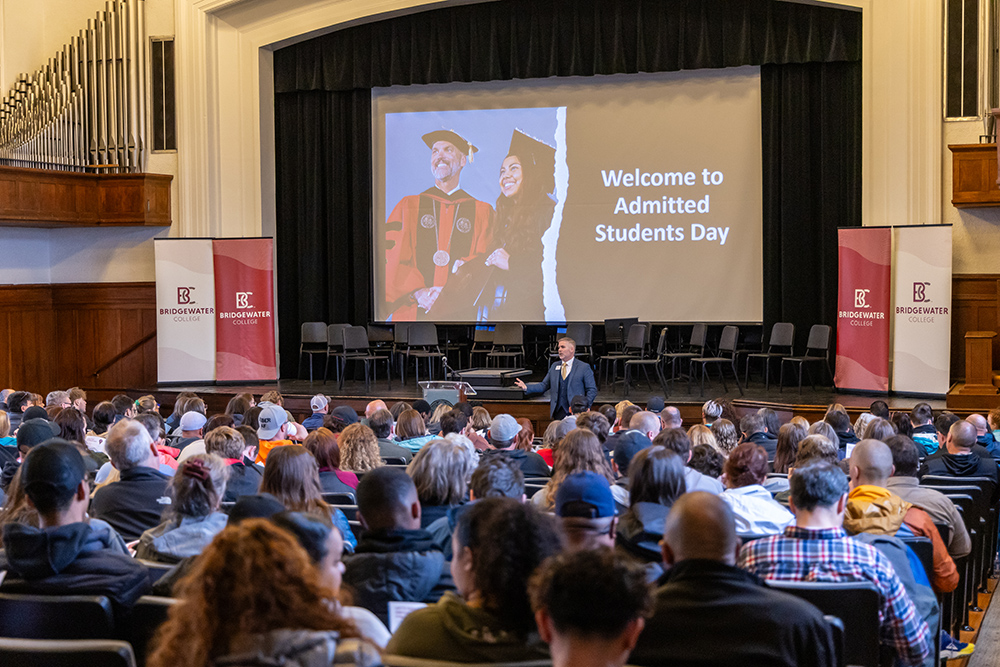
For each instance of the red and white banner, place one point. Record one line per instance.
(921, 349)
(864, 296)
(215, 310)
(244, 304)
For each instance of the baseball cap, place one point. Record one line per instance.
(421, 406)
(192, 421)
(318, 402)
(51, 473)
(585, 494)
(346, 413)
(504, 428)
(579, 403)
(269, 422)
(35, 412)
(33, 432)
(257, 506)
(655, 404)
(627, 446)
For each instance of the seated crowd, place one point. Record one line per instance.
(617, 536)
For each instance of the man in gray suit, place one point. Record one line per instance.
(566, 378)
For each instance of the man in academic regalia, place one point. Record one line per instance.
(430, 235)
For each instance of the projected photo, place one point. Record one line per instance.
(471, 195)
(570, 200)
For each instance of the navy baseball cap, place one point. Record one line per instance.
(629, 443)
(346, 413)
(51, 473)
(587, 495)
(655, 404)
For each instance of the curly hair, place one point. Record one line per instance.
(579, 451)
(596, 423)
(500, 576)
(293, 478)
(746, 465)
(789, 437)
(707, 460)
(224, 598)
(323, 444)
(358, 449)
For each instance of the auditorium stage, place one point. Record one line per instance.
(811, 403)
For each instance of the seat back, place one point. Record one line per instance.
(661, 342)
(854, 603)
(581, 332)
(343, 498)
(350, 511)
(730, 337)
(422, 334)
(532, 489)
(394, 460)
(142, 622)
(636, 339)
(400, 333)
(482, 336)
(55, 617)
(156, 570)
(378, 334)
(355, 339)
(313, 332)
(819, 338)
(508, 334)
(924, 549)
(699, 333)
(782, 335)
(66, 653)
(335, 335)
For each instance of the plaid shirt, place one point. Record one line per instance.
(829, 555)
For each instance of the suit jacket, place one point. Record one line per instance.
(579, 383)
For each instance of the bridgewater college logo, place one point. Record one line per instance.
(184, 296)
(861, 298)
(920, 292)
(244, 313)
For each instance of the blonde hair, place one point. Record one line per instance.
(4, 424)
(441, 410)
(225, 441)
(699, 434)
(358, 449)
(620, 408)
(480, 418)
(191, 494)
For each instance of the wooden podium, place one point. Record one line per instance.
(979, 364)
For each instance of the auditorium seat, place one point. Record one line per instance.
(582, 334)
(634, 345)
(55, 617)
(66, 653)
(344, 498)
(334, 347)
(405, 661)
(356, 349)
(780, 345)
(508, 343)
(695, 348)
(817, 351)
(312, 340)
(727, 355)
(142, 622)
(655, 361)
(156, 570)
(350, 511)
(531, 489)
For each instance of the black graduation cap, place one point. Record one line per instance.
(452, 137)
(536, 153)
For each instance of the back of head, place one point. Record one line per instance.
(591, 593)
(398, 408)
(671, 417)
(225, 442)
(17, 400)
(381, 423)
(293, 478)
(901, 422)
(594, 422)
(385, 498)
(322, 443)
(579, 450)
(701, 525)
(410, 424)
(497, 477)
(153, 424)
(250, 439)
(921, 414)
(50, 475)
(707, 460)
(871, 462)
(905, 457)
(198, 486)
(627, 446)
(359, 450)
(123, 404)
(962, 435)
(609, 412)
(943, 422)
(725, 434)
(752, 423)
(840, 422)
(645, 423)
(878, 429)
(879, 409)
(711, 410)
(771, 420)
(815, 448)
(480, 418)
(218, 421)
(824, 429)
(500, 576)
(819, 484)
(656, 475)
(453, 421)
(979, 422)
(441, 471)
(104, 416)
(746, 465)
(578, 404)
(628, 414)
(128, 445)
(237, 405)
(676, 440)
(789, 437)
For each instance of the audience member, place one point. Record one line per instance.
(134, 503)
(456, 421)
(670, 417)
(244, 476)
(579, 451)
(480, 420)
(525, 439)
(707, 611)
(359, 451)
(984, 436)
(398, 407)
(555, 432)
(273, 430)
(754, 509)
(323, 445)
(586, 507)
(192, 426)
(710, 411)
(226, 616)
(490, 618)
(237, 408)
(441, 472)
(771, 421)
(726, 435)
(395, 559)
(924, 431)
(590, 607)
(656, 481)
(824, 429)
(699, 434)
(381, 423)
(65, 555)
(956, 458)
(17, 403)
(503, 436)
(411, 430)
(707, 460)
(104, 416)
(878, 429)
(193, 518)
(755, 431)
(817, 548)
(626, 447)
(676, 440)
(320, 406)
(789, 437)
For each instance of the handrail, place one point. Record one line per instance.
(124, 353)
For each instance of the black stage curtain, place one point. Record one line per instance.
(810, 61)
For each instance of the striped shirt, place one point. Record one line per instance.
(830, 555)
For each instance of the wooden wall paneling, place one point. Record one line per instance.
(975, 306)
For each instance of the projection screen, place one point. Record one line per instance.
(564, 200)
